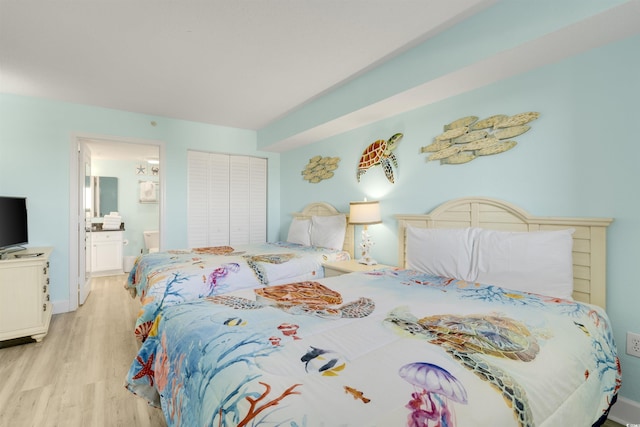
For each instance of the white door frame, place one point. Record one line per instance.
(75, 199)
(84, 228)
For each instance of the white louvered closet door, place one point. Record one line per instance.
(227, 199)
(248, 202)
(218, 199)
(197, 199)
(258, 197)
(239, 201)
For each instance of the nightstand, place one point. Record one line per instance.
(338, 268)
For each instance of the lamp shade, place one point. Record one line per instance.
(366, 213)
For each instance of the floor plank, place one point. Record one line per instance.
(75, 376)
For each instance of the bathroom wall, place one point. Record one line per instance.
(137, 217)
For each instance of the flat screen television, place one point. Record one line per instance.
(13, 223)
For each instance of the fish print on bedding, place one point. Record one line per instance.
(419, 351)
(166, 278)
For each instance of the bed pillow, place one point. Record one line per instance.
(328, 231)
(300, 232)
(442, 252)
(539, 262)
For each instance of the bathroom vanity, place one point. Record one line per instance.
(106, 252)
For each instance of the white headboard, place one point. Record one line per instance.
(323, 209)
(589, 239)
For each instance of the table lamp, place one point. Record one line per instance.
(365, 213)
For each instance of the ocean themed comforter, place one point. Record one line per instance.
(166, 278)
(388, 348)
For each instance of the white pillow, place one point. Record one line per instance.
(328, 231)
(300, 231)
(539, 262)
(442, 252)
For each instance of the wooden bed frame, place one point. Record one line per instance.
(589, 238)
(324, 209)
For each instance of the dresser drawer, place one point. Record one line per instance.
(106, 236)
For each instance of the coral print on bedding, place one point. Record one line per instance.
(389, 348)
(166, 278)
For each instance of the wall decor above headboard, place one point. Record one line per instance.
(379, 153)
(467, 138)
(320, 168)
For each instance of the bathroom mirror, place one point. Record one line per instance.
(104, 195)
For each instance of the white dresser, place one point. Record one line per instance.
(106, 253)
(25, 309)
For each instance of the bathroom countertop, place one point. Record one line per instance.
(96, 227)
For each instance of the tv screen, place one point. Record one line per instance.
(13, 221)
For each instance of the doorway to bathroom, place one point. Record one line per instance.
(112, 233)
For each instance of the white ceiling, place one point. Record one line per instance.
(247, 63)
(238, 63)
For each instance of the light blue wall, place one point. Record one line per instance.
(579, 159)
(35, 156)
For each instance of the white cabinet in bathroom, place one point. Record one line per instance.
(106, 253)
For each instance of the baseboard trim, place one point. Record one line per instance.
(60, 306)
(625, 411)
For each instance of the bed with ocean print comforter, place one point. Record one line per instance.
(388, 348)
(166, 278)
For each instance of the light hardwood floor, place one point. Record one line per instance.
(75, 376)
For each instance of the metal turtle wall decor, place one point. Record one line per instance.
(380, 153)
(468, 138)
(320, 168)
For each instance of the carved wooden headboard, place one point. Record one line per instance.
(323, 209)
(589, 238)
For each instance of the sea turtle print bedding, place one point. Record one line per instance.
(387, 348)
(166, 278)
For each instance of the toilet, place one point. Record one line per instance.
(152, 241)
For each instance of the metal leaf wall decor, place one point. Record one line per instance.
(320, 168)
(468, 138)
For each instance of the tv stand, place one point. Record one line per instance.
(25, 309)
(6, 253)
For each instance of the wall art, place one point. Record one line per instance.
(148, 191)
(141, 169)
(320, 168)
(380, 153)
(468, 138)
